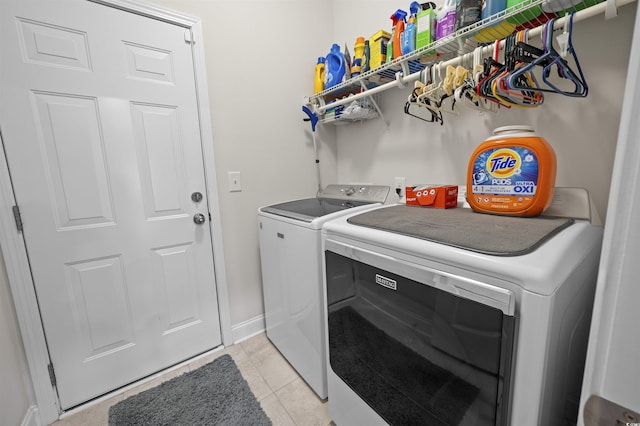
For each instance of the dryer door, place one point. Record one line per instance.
(419, 346)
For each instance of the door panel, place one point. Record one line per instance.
(146, 62)
(176, 287)
(98, 291)
(49, 44)
(161, 163)
(100, 125)
(70, 129)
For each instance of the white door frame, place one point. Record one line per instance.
(14, 249)
(611, 370)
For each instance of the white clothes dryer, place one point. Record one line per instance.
(451, 317)
(290, 257)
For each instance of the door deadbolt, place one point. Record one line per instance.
(198, 218)
(196, 197)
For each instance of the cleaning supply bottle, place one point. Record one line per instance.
(496, 31)
(358, 57)
(379, 48)
(426, 29)
(398, 28)
(347, 63)
(366, 57)
(334, 67)
(467, 12)
(318, 83)
(512, 173)
(389, 53)
(408, 37)
(446, 19)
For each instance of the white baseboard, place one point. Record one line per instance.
(248, 328)
(32, 418)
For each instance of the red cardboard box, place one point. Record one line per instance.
(441, 196)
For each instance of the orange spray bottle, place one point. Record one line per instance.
(398, 28)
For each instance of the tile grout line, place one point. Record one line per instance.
(274, 392)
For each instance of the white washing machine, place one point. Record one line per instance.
(290, 256)
(451, 317)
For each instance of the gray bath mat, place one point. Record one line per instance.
(215, 394)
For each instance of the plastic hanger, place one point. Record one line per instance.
(422, 108)
(447, 83)
(492, 68)
(520, 97)
(549, 59)
(421, 111)
(432, 91)
(465, 93)
(581, 88)
(534, 58)
(442, 95)
(502, 72)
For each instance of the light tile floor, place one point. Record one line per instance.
(284, 396)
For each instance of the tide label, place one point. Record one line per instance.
(505, 172)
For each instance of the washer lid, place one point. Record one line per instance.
(310, 208)
(332, 199)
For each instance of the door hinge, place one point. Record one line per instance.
(17, 217)
(188, 37)
(52, 375)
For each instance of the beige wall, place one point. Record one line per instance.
(16, 392)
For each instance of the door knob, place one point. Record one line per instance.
(198, 218)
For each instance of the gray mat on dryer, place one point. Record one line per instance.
(215, 394)
(466, 229)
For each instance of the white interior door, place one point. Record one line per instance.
(98, 114)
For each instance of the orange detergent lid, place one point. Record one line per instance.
(512, 172)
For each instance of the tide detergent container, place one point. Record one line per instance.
(512, 172)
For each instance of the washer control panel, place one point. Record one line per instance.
(364, 193)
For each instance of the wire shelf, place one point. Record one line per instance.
(527, 14)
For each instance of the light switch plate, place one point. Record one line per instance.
(234, 182)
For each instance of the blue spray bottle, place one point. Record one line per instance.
(408, 37)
